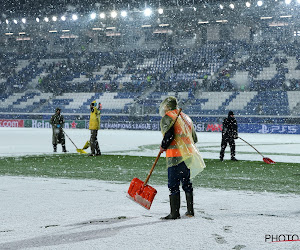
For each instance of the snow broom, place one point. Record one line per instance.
(265, 159)
(81, 151)
(139, 191)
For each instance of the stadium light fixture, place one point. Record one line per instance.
(161, 11)
(93, 15)
(298, 1)
(63, 18)
(37, 20)
(288, 2)
(54, 18)
(124, 13)
(147, 12)
(231, 6)
(15, 21)
(203, 22)
(46, 19)
(102, 15)
(259, 3)
(7, 22)
(113, 14)
(23, 20)
(221, 6)
(74, 17)
(248, 4)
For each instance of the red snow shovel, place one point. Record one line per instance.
(265, 159)
(142, 193)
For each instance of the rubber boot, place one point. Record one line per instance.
(189, 204)
(54, 147)
(175, 206)
(64, 148)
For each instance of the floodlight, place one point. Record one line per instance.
(298, 1)
(63, 18)
(46, 19)
(23, 20)
(221, 7)
(54, 18)
(123, 13)
(15, 21)
(93, 15)
(147, 12)
(161, 11)
(113, 14)
(7, 22)
(248, 4)
(102, 15)
(74, 17)
(259, 3)
(37, 20)
(231, 6)
(288, 1)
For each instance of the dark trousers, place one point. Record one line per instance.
(94, 142)
(58, 136)
(224, 142)
(177, 174)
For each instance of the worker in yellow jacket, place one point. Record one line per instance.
(94, 126)
(184, 161)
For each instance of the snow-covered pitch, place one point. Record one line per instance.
(47, 213)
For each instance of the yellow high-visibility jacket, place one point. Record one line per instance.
(94, 119)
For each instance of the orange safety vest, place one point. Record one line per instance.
(181, 146)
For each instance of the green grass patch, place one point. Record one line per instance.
(228, 175)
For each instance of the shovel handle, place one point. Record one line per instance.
(157, 157)
(69, 139)
(151, 170)
(251, 146)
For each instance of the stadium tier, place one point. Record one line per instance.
(205, 103)
(208, 80)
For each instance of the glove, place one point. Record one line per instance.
(58, 125)
(161, 150)
(235, 136)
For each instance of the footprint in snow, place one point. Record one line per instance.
(219, 239)
(239, 247)
(227, 229)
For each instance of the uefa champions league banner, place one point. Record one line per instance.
(129, 125)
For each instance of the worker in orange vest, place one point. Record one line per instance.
(183, 158)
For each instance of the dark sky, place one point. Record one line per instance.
(10, 7)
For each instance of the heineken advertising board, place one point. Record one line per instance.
(46, 124)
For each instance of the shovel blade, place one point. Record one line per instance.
(81, 151)
(268, 160)
(143, 195)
